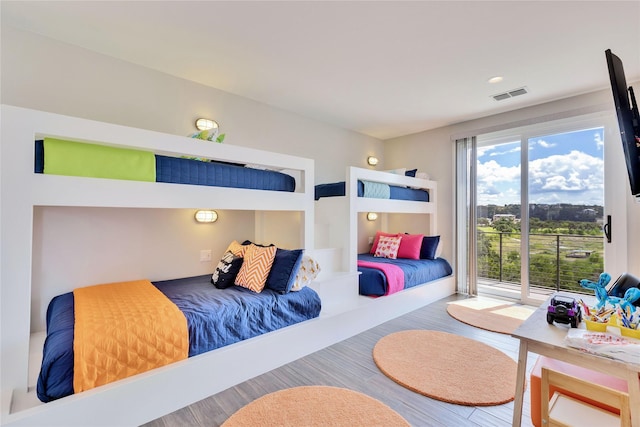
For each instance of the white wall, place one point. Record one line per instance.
(434, 152)
(43, 74)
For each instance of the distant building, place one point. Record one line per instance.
(509, 217)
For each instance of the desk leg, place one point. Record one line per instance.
(634, 397)
(520, 381)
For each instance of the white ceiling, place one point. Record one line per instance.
(384, 69)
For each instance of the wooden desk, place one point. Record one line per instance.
(537, 336)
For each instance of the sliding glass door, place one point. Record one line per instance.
(533, 217)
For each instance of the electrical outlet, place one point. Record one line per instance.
(371, 240)
(205, 255)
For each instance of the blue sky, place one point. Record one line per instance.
(563, 168)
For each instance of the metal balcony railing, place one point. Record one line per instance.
(556, 261)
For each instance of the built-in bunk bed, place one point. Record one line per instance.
(413, 260)
(36, 171)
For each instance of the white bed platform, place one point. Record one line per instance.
(150, 395)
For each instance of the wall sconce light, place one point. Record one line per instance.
(372, 216)
(372, 160)
(206, 216)
(206, 124)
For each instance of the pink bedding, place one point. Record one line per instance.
(394, 274)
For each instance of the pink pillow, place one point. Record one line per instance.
(410, 246)
(388, 247)
(377, 238)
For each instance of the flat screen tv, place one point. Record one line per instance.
(628, 119)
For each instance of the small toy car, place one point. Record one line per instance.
(564, 309)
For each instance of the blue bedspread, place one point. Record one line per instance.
(396, 192)
(186, 171)
(416, 272)
(215, 318)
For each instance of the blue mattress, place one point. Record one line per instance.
(215, 318)
(397, 193)
(416, 271)
(218, 174)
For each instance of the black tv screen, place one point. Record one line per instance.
(628, 119)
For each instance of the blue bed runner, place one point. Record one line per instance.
(215, 318)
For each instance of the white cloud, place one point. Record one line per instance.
(500, 153)
(542, 143)
(572, 178)
(599, 141)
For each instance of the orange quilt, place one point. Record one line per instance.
(122, 329)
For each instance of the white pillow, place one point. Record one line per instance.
(399, 171)
(308, 271)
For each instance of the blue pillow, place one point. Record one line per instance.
(429, 247)
(411, 173)
(284, 269)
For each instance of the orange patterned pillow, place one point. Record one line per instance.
(388, 247)
(237, 249)
(256, 267)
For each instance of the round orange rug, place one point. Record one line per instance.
(312, 406)
(490, 314)
(447, 367)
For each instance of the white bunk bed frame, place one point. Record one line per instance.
(147, 396)
(344, 233)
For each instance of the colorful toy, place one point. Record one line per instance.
(599, 288)
(564, 309)
(630, 296)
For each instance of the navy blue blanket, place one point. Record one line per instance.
(220, 174)
(416, 271)
(215, 318)
(397, 193)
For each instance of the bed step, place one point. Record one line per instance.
(338, 292)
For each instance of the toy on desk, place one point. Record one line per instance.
(563, 309)
(630, 296)
(598, 288)
(600, 315)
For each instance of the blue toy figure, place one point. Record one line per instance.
(630, 296)
(598, 288)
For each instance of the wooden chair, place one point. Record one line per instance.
(564, 411)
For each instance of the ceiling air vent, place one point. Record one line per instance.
(510, 94)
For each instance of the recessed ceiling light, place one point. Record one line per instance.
(496, 79)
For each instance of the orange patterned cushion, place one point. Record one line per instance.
(256, 267)
(237, 249)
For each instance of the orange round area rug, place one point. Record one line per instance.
(447, 367)
(312, 406)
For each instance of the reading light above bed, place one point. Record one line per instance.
(206, 216)
(372, 216)
(206, 124)
(372, 160)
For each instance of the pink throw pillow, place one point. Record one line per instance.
(388, 247)
(377, 239)
(410, 246)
